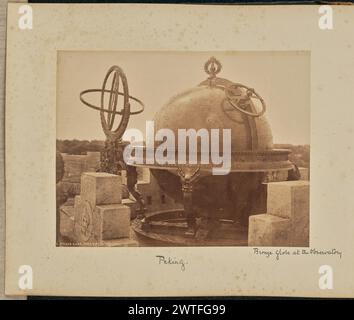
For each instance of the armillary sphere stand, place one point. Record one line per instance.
(112, 155)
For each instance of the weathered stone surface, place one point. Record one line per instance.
(101, 188)
(114, 220)
(290, 199)
(75, 165)
(104, 222)
(300, 218)
(282, 197)
(131, 241)
(268, 230)
(84, 223)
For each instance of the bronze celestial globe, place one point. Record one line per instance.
(220, 103)
(209, 200)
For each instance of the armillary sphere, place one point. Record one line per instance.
(108, 114)
(238, 95)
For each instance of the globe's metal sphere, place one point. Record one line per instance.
(207, 107)
(221, 104)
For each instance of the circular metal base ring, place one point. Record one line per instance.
(168, 227)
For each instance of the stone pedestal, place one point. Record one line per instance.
(114, 221)
(286, 222)
(288, 199)
(268, 230)
(99, 214)
(101, 188)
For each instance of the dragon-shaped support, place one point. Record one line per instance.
(189, 176)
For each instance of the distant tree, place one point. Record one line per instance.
(79, 146)
(300, 154)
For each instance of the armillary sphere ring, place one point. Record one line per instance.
(110, 111)
(114, 93)
(251, 93)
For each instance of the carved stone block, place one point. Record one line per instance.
(290, 199)
(101, 188)
(268, 230)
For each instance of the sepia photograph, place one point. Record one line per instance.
(179, 151)
(183, 148)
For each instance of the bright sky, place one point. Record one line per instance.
(281, 78)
